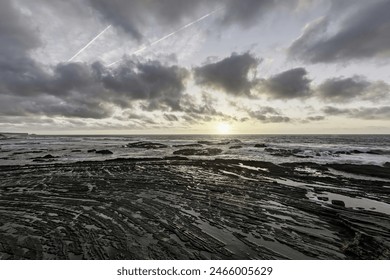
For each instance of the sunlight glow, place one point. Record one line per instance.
(223, 128)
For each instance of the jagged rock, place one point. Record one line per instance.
(104, 152)
(188, 145)
(323, 198)
(198, 152)
(235, 147)
(211, 143)
(262, 145)
(363, 169)
(44, 158)
(176, 158)
(338, 203)
(49, 156)
(146, 145)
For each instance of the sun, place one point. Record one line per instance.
(223, 128)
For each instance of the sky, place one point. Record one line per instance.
(195, 66)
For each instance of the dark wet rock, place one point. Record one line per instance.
(188, 146)
(235, 147)
(338, 203)
(92, 151)
(342, 153)
(323, 198)
(378, 152)
(262, 145)
(45, 158)
(211, 143)
(176, 158)
(104, 152)
(368, 170)
(146, 145)
(198, 152)
(49, 156)
(154, 208)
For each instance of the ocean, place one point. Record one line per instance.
(355, 149)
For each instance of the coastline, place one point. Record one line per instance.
(180, 208)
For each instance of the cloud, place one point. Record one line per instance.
(366, 113)
(17, 35)
(230, 74)
(161, 86)
(362, 34)
(171, 117)
(289, 84)
(347, 89)
(246, 12)
(91, 91)
(133, 16)
(315, 118)
(17, 38)
(268, 114)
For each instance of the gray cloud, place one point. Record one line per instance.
(362, 34)
(315, 118)
(17, 34)
(89, 91)
(162, 86)
(367, 113)
(171, 117)
(133, 16)
(268, 114)
(292, 83)
(17, 39)
(229, 74)
(347, 89)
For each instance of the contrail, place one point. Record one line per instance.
(167, 36)
(87, 45)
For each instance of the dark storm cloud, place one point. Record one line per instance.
(52, 107)
(268, 115)
(367, 113)
(17, 38)
(363, 33)
(229, 74)
(347, 89)
(161, 86)
(89, 91)
(290, 84)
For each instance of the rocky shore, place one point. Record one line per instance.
(180, 208)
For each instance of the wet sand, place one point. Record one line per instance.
(176, 208)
